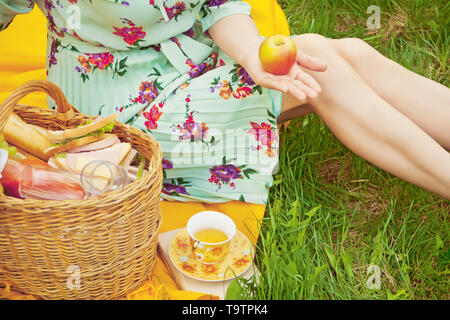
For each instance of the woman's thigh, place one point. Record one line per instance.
(291, 107)
(314, 45)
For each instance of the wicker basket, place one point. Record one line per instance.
(108, 241)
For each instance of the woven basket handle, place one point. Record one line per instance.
(64, 107)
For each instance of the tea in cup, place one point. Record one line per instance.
(210, 234)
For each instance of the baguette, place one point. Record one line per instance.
(21, 134)
(39, 141)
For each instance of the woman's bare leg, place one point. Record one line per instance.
(425, 102)
(369, 125)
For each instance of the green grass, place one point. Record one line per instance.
(362, 214)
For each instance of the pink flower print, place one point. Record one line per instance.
(84, 63)
(179, 7)
(137, 100)
(130, 34)
(152, 116)
(225, 173)
(101, 60)
(263, 133)
(244, 77)
(196, 70)
(176, 10)
(242, 92)
(193, 130)
(147, 92)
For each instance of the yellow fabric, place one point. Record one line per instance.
(175, 215)
(23, 58)
(269, 17)
(23, 55)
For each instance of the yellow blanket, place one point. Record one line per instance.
(23, 58)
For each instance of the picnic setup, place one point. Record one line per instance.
(121, 238)
(224, 150)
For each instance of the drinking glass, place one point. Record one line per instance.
(99, 176)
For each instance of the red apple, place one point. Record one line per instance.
(277, 54)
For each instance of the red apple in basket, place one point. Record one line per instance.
(278, 54)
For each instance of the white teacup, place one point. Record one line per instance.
(210, 252)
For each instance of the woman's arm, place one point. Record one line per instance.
(239, 38)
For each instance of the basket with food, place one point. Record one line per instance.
(80, 200)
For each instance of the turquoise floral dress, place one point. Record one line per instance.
(153, 63)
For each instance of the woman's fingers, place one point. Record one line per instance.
(309, 81)
(311, 63)
(298, 94)
(288, 85)
(298, 74)
(310, 93)
(298, 83)
(280, 83)
(296, 88)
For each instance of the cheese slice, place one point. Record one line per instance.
(116, 153)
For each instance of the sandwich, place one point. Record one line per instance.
(44, 143)
(72, 149)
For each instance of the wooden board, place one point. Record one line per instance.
(186, 283)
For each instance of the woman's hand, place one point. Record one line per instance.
(238, 36)
(297, 82)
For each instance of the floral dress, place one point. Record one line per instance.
(153, 63)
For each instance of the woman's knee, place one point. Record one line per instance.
(312, 43)
(353, 49)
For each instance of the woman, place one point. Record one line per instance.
(188, 73)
